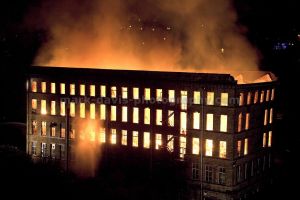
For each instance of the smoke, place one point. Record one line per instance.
(191, 35)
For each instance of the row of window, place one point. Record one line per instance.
(57, 151)
(250, 99)
(218, 173)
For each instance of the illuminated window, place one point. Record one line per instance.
(266, 117)
(103, 91)
(135, 139)
(264, 140)
(44, 87)
(222, 175)
(72, 89)
(44, 128)
(113, 136)
(159, 94)
(34, 127)
(43, 107)
(256, 97)
(62, 132)
(147, 140)
(241, 102)
(171, 96)
(53, 108)
(268, 95)
(195, 171)
(135, 115)
(147, 116)
(158, 141)
(52, 88)
(82, 110)
(272, 94)
(249, 98)
(270, 139)
(222, 151)
(223, 123)
(124, 113)
(33, 86)
(158, 117)
(102, 111)
(147, 94)
(240, 120)
(247, 121)
(271, 116)
(33, 104)
(208, 147)
(92, 110)
(72, 109)
(62, 88)
(92, 90)
(124, 137)
(53, 130)
(92, 135)
(210, 98)
(170, 143)
(113, 113)
(170, 118)
(124, 93)
(135, 93)
(262, 96)
(224, 99)
(82, 90)
(102, 135)
(209, 122)
(113, 92)
(183, 100)
(196, 120)
(72, 133)
(183, 121)
(196, 146)
(197, 98)
(239, 148)
(246, 146)
(182, 141)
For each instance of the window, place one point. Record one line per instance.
(103, 91)
(44, 87)
(102, 135)
(52, 88)
(262, 96)
(135, 139)
(256, 97)
(102, 111)
(223, 123)
(209, 122)
(72, 109)
(62, 132)
(208, 174)
(196, 146)
(147, 116)
(183, 100)
(92, 111)
(222, 151)
(53, 130)
(182, 141)
(247, 121)
(246, 171)
(249, 98)
(195, 171)
(272, 94)
(170, 118)
(135, 115)
(170, 143)
(62, 88)
(33, 104)
(208, 147)
(264, 140)
(44, 128)
(197, 98)
(62, 108)
(241, 102)
(92, 135)
(34, 127)
(33, 86)
(239, 148)
(33, 148)
(147, 94)
(44, 149)
(43, 107)
(222, 175)
(124, 93)
(135, 93)
(113, 113)
(82, 90)
(252, 168)
(158, 141)
(113, 136)
(92, 90)
(124, 137)
(210, 98)
(52, 152)
(158, 117)
(266, 117)
(72, 89)
(183, 122)
(124, 113)
(82, 110)
(171, 96)
(246, 146)
(238, 173)
(271, 116)
(72, 133)
(62, 151)
(53, 108)
(159, 94)
(268, 95)
(240, 120)
(147, 140)
(224, 99)
(196, 120)
(270, 139)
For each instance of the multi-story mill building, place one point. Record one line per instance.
(221, 129)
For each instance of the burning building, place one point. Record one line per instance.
(222, 130)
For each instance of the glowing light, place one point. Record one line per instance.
(222, 152)
(183, 116)
(53, 108)
(147, 140)
(196, 146)
(208, 147)
(223, 123)
(209, 122)
(224, 99)
(158, 141)
(147, 116)
(135, 139)
(43, 107)
(210, 98)
(196, 120)
(246, 146)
